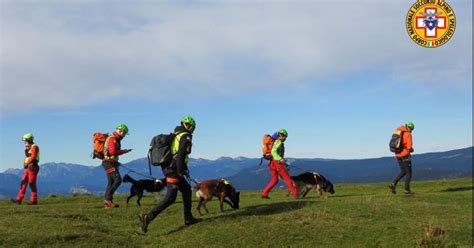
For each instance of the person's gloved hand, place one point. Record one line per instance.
(128, 150)
(283, 161)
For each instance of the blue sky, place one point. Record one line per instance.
(339, 85)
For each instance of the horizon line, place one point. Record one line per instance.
(236, 158)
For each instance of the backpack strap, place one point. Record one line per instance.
(401, 139)
(149, 161)
(106, 147)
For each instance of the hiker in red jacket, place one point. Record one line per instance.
(404, 158)
(30, 164)
(112, 151)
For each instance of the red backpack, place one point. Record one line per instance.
(99, 144)
(267, 146)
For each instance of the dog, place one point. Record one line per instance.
(220, 188)
(309, 180)
(139, 186)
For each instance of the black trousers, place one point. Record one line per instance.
(405, 171)
(113, 179)
(170, 198)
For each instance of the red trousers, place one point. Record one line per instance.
(276, 169)
(29, 177)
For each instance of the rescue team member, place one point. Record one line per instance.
(175, 175)
(404, 158)
(112, 151)
(30, 164)
(277, 166)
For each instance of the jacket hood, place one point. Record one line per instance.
(180, 129)
(404, 129)
(275, 135)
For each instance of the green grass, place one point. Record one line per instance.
(358, 215)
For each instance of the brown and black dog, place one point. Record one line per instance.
(139, 186)
(220, 188)
(309, 180)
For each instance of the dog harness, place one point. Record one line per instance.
(316, 177)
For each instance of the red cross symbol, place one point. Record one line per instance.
(420, 24)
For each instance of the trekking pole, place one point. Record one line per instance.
(191, 179)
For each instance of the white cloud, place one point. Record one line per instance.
(76, 53)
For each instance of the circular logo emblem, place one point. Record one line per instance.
(430, 23)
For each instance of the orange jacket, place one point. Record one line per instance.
(407, 142)
(31, 153)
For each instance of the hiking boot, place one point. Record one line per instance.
(145, 221)
(15, 201)
(191, 221)
(295, 196)
(392, 188)
(265, 197)
(409, 192)
(115, 205)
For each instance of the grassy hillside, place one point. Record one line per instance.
(358, 215)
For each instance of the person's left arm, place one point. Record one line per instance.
(34, 152)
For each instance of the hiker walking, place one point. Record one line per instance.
(403, 155)
(30, 164)
(175, 173)
(110, 162)
(277, 165)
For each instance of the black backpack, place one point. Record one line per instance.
(396, 144)
(159, 153)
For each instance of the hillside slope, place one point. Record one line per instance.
(360, 215)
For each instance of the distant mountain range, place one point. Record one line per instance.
(244, 173)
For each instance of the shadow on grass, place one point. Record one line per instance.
(457, 189)
(177, 230)
(267, 209)
(339, 196)
(259, 210)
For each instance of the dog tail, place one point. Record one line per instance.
(129, 179)
(199, 194)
